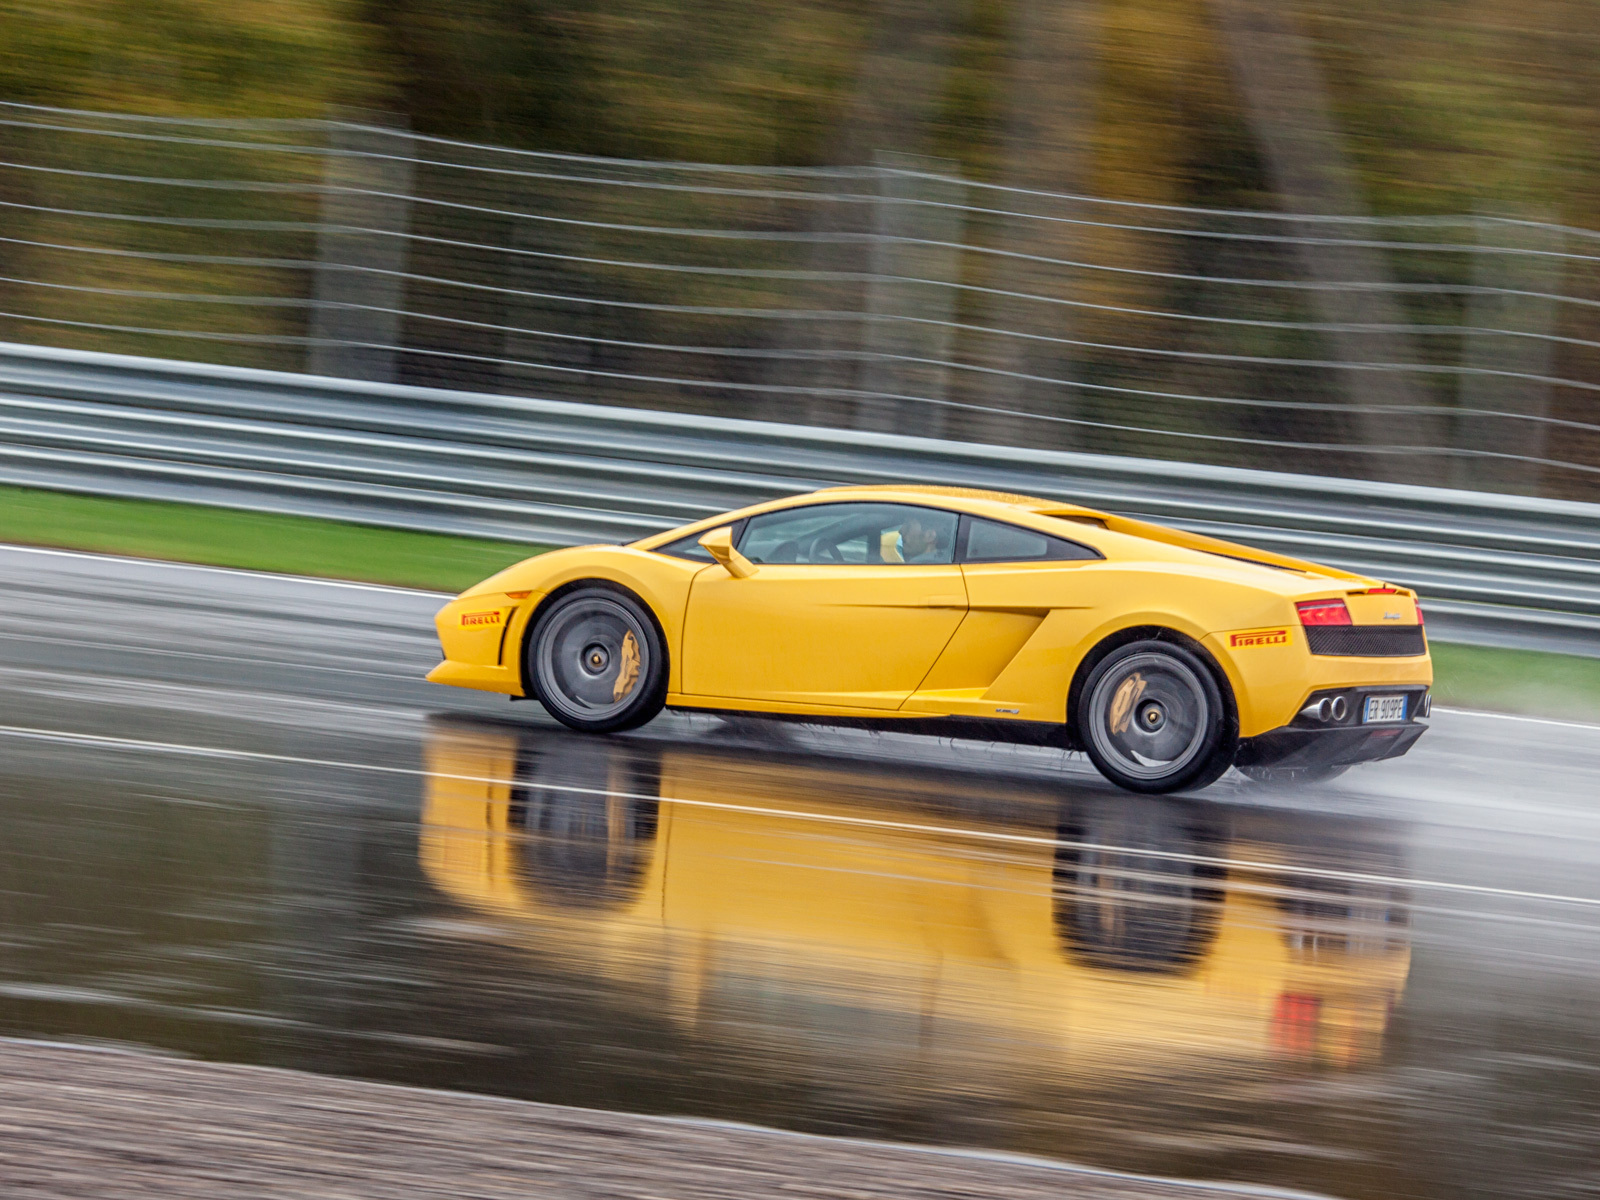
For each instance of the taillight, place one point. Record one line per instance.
(1323, 612)
(1294, 1022)
(1420, 621)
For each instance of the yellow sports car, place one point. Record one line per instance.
(1166, 656)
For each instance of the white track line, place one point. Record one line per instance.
(1494, 716)
(102, 741)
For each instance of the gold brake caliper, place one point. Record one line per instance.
(628, 674)
(1122, 703)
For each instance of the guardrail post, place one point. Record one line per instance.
(910, 303)
(1510, 317)
(358, 293)
(1287, 103)
(546, 348)
(1054, 56)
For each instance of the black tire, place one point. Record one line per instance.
(1153, 718)
(1120, 908)
(578, 660)
(588, 813)
(1292, 776)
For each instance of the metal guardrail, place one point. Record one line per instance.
(1496, 569)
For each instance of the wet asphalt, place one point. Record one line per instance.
(236, 824)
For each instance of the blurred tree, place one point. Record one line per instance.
(250, 58)
(516, 72)
(713, 80)
(1285, 95)
(255, 58)
(1049, 76)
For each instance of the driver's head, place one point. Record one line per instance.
(918, 538)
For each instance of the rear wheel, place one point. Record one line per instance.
(596, 660)
(1153, 719)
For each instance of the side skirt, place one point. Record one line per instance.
(981, 729)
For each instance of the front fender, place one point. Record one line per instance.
(475, 659)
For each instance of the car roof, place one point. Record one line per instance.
(930, 491)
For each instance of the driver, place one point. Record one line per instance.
(917, 543)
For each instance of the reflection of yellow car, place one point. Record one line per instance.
(1101, 937)
(1166, 656)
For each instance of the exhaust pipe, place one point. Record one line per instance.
(1329, 708)
(1318, 710)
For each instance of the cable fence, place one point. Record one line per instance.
(894, 297)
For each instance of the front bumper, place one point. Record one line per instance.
(1307, 743)
(481, 636)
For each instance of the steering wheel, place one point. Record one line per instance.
(821, 551)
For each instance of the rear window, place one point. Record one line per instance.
(994, 541)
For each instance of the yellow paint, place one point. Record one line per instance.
(473, 632)
(756, 874)
(982, 646)
(1398, 609)
(662, 583)
(858, 636)
(990, 640)
(469, 790)
(719, 544)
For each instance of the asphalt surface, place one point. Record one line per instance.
(235, 824)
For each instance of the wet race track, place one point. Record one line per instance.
(235, 824)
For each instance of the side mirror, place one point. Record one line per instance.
(719, 544)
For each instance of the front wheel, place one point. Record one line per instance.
(1153, 719)
(596, 661)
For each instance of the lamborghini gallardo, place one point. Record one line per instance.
(1165, 656)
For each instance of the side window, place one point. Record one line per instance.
(836, 534)
(690, 547)
(992, 541)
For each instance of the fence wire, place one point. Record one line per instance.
(892, 297)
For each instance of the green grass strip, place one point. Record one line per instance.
(254, 541)
(1531, 682)
(1518, 681)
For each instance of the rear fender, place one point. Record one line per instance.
(1158, 626)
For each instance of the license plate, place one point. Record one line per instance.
(1384, 708)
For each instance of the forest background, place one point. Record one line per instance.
(1445, 105)
(1389, 108)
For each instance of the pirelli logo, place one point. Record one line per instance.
(1259, 637)
(476, 620)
